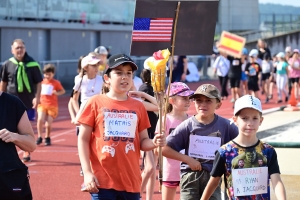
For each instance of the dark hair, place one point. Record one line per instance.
(79, 64)
(105, 88)
(266, 56)
(81, 71)
(49, 68)
(146, 76)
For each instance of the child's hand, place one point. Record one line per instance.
(91, 183)
(194, 164)
(135, 94)
(54, 92)
(155, 151)
(159, 140)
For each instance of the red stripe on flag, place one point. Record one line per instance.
(229, 49)
(233, 38)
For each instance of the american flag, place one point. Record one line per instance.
(152, 29)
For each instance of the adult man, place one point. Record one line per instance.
(21, 76)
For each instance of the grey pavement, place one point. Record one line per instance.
(282, 130)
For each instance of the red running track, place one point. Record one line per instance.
(54, 170)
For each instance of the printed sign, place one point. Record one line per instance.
(250, 181)
(47, 89)
(203, 147)
(120, 124)
(231, 44)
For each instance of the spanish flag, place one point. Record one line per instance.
(232, 44)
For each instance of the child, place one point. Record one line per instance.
(244, 78)
(267, 68)
(179, 104)
(113, 131)
(246, 151)
(48, 106)
(294, 65)
(282, 77)
(234, 75)
(200, 135)
(253, 70)
(273, 77)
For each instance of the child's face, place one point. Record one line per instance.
(120, 79)
(248, 122)
(252, 59)
(205, 106)
(48, 75)
(180, 103)
(92, 70)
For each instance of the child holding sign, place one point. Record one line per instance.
(200, 135)
(48, 107)
(113, 131)
(253, 163)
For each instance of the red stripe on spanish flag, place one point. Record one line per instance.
(232, 44)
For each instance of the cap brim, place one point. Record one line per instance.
(94, 61)
(186, 93)
(132, 64)
(238, 110)
(205, 94)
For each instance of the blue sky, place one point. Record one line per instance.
(283, 2)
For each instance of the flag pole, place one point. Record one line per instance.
(160, 158)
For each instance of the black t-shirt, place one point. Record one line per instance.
(9, 75)
(253, 70)
(235, 70)
(178, 70)
(151, 115)
(11, 111)
(262, 54)
(228, 157)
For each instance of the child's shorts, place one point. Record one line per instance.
(244, 77)
(51, 111)
(171, 184)
(31, 114)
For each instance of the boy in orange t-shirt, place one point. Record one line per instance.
(48, 106)
(113, 131)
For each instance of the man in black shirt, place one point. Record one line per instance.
(21, 76)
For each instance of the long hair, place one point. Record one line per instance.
(81, 71)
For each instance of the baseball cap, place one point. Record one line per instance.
(296, 51)
(280, 55)
(207, 90)
(245, 51)
(119, 59)
(180, 89)
(253, 53)
(288, 49)
(247, 101)
(101, 50)
(89, 60)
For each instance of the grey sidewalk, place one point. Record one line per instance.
(282, 129)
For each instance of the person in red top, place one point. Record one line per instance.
(113, 130)
(48, 107)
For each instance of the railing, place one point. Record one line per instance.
(83, 11)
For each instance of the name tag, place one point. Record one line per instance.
(120, 124)
(47, 89)
(235, 62)
(204, 147)
(250, 181)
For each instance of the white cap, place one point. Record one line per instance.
(288, 49)
(253, 53)
(101, 50)
(247, 101)
(280, 55)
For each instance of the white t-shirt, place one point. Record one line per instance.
(137, 82)
(266, 66)
(88, 87)
(222, 65)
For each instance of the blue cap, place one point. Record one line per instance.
(245, 51)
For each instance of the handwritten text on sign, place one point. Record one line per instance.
(203, 147)
(120, 124)
(47, 89)
(250, 181)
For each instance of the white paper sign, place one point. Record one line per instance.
(203, 147)
(47, 89)
(250, 181)
(120, 124)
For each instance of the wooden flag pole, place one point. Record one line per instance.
(167, 98)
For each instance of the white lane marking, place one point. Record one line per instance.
(64, 133)
(50, 150)
(57, 141)
(29, 165)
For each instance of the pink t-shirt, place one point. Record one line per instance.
(294, 73)
(171, 168)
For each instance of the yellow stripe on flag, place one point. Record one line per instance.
(232, 44)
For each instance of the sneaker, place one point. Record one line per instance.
(267, 100)
(271, 96)
(232, 100)
(286, 99)
(47, 141)
(26, 158)
(279, 101)
(81, 172)
(39, 140)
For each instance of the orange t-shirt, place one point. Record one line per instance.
(114, 156)
(47, 98)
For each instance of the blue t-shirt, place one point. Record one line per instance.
(281, 67)
(179, 139)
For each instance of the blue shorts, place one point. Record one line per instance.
(111, 194)
(244, 77)
(31, 114)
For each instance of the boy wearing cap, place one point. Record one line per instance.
(260, 159)
(200, 135)
(48, 107)
(112, 133)
(253, 70)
